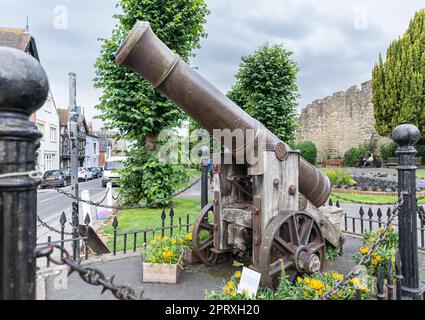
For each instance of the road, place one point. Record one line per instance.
(50, 203)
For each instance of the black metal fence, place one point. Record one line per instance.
(80, 244)
(150, 232)
(369, 219)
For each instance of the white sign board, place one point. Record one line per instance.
(250, 280)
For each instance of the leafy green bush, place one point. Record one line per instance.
(353, 155)
(145, 179)
(340, 178)
(388, 150)
(308, 151)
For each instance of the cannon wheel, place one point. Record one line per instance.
(203, 236)
(292, 242)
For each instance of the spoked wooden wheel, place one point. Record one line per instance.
(294, 243)
(203, 236)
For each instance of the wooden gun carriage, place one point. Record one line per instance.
(267, 209)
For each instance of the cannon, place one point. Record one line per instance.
(267, 209)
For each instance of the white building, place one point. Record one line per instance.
(47, 122)
(92, 151)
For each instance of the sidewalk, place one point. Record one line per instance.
(193, 282)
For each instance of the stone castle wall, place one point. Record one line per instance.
(339, 122)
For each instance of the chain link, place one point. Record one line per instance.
(366, 258)
(116, 207)
(49, 227)
(421, 214)
(362, 202)
(33, 174)
(89, 275)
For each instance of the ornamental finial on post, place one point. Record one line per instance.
(406, 135)
(23, 82)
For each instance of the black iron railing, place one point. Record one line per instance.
(80, 244)
(163, 230)
(369, 219)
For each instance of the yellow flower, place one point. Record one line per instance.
(361, 287)
(380, 229)
(189, 237)
(233, 293)
(316, 284)
(392, 228)
(238, 274)
(372, 239)
(337, 276)
(305, 293)
(153, 242)
(181, 241)
(364, 250)
(320, 292)
(378, 258)
(299, 280)
(165, 238)
(230, 284)
(355, 281)
(374, 262)
(158, 238)
(307, 280)
(173, 242)
(168, 254)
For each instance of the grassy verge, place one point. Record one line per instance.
(420, 174)
(139, 219)
(367, 198)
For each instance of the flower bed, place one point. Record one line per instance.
(306, 288)
(385, 252)
(314, 286)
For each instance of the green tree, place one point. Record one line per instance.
(130, 104)
(399, 81)
(266, 88)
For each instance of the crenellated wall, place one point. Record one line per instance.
(339, 122)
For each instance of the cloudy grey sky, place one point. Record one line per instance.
(335, 43)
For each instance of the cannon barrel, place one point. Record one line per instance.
(145, 53)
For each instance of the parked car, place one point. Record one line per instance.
(56, 178)
(84, 174)
(110, 173)
(97, 172)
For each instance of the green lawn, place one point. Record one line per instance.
(420, 174)
(139, 219)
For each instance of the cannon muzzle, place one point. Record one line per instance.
(146, 54)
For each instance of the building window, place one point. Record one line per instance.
(53, 134)
(94, 148)
(48, 105)
(48, 162)
(40, 128)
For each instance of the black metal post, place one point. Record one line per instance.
(406, 135)
(204, 154)
(23, 89)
